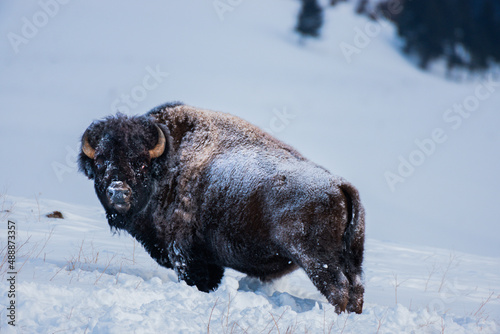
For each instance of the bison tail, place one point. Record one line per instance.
(353, 246)
(354, 234)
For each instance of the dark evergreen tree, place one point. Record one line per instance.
(310, 18)
(482, 35)
(362, 7)
(424, 26)
(466, 33)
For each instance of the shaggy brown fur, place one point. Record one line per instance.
(226, 194)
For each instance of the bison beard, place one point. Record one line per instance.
(204, 190)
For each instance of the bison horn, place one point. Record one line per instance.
(160, 146)
(86, 148)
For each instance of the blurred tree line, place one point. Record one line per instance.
(310, 19)
(465, 33)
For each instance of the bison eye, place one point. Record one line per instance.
(142, 167)
(99, 164)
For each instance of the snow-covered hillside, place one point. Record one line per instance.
(422, 150)
(73, 276)
(349, 101)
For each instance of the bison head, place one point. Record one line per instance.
(124, 156)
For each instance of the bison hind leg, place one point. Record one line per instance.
(335, 287)
(326, 273)
(356, 293)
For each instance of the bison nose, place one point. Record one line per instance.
(119, 192)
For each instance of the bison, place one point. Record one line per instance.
(204, 190)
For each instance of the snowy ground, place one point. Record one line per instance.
(75, 277)
(433, 250)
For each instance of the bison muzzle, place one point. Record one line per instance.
(204, 190)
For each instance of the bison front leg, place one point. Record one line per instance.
(195, 269)
(205, 276)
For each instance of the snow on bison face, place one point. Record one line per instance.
(121, 155)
